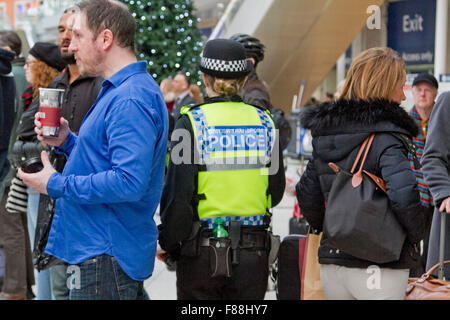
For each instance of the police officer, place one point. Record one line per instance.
(223, 163)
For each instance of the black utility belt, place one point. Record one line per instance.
(247, 240)
(224, 253)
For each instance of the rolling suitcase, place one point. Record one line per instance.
(428, 287)
(298, 275)
(289, 267)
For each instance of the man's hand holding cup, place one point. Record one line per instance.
(52, 141)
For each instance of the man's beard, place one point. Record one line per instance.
(92, 66)
(68, 58)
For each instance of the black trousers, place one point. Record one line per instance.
(247, 282)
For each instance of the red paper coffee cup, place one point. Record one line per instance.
(50, 103)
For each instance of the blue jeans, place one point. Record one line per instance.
(102, 278)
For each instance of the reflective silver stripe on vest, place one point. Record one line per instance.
(230, 167)
(238, 163)
(202, 134)
(245, 220)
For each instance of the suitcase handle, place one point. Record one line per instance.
(442, 246)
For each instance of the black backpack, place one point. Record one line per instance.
(256, 93)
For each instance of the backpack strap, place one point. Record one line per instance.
(410, 146)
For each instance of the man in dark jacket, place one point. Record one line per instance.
(180, 85)
(81, 92)
(255, 92)
(436, 171)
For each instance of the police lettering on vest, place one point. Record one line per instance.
(236, 138)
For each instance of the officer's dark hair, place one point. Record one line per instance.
(186, 77)
(112, 15)
(12, 40)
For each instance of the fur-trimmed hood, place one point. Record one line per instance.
(339, 127)
(347, 116)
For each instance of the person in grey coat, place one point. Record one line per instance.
(436, 170)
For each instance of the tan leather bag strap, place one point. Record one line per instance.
(380, 182)
(369, 144)
(357, 177)
(358, 156)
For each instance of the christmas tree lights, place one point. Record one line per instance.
(167, 37)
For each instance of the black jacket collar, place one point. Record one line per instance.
(357, 116)
(223, 98)
(64, 78)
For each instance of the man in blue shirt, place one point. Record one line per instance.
(111, 185)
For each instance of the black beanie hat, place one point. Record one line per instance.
(225, 58)
(426, 77)
(48, 53)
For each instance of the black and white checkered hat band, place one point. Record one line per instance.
(224, 66)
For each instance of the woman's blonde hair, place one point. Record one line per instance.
(226, 87)
(42, 75)
(375, 73)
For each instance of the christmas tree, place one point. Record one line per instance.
(167, 37)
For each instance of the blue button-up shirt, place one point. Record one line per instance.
(112, 182)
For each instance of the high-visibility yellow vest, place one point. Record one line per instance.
(234, 141)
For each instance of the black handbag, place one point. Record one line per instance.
(42, 260)
(298, 223)
(358, 218)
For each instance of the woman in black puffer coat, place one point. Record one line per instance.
(369, 104)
